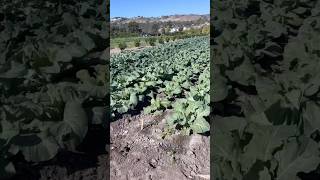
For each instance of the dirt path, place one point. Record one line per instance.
(117, 50)
(143, 154)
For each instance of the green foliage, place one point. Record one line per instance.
(167, 39)
(130, 41)
(156, 105)
(151, 41)
(124, 35)
(137, 42)
(160, 40)
(205, 30)
(41, 105)
(133, 27)
(177, 79)
(122, 45)
(266, 67)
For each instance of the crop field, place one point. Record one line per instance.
(160, 106)
(170, 76)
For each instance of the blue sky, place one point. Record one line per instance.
(153, 8)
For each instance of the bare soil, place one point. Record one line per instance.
(144, 155)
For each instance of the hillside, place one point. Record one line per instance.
(173, 18)
(126, 27)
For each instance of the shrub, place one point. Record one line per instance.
(151, 41)
(167, 39)
(161, 41)
(137, 43)
(122, 45)
(205, 30)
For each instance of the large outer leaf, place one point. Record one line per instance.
(264, 141)
(224, 148)
(76, 118)
(220, 88)
(297, 157)
(35, 148)
(8, 169)
(311, 115)
(63, 55)
(133, 99)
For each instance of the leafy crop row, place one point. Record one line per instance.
(52, 73)
(170, 76)
(266, 89)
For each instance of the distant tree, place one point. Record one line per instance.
(170, 24)
(117, 31)
(133, 27)
(201, 21)
(155, 29)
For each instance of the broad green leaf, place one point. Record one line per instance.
(220, 89)
(264, 174)
(63, 55)
(147, 110)
(297, 157)
(75, 117)
(36, 148)
(200, 125)
(265, 139)
(85, 40)
(204, 111)
(294, 97)
(311, 114)
(76, 50)
(16, 70)
(133, 99)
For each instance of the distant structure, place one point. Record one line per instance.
(173, 30)
(117, 19)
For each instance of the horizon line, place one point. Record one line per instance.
(162, 15)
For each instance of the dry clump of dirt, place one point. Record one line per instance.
(115, 51)
(143, 154)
